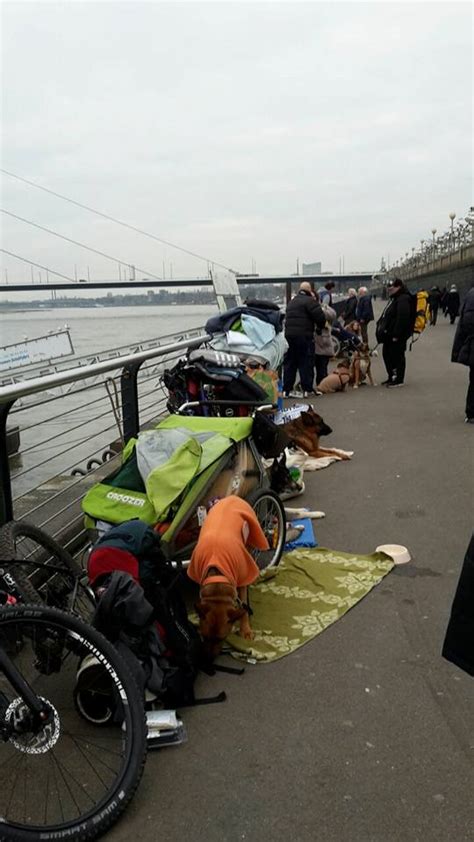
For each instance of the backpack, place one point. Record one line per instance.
(166, 645)
(421, 312)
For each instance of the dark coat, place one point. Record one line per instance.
(434, 298)
(452, 303)
(396, 321)
(349, 312)
(303, 314)
(459, 641)
(463, 345)
(365, 311)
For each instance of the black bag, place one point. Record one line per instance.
(381, 325)
(149, 618)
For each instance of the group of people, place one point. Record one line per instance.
(312, 324)
(310, 328)
(448, 300)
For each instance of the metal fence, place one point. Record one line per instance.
(73, 424)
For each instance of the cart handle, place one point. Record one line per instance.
(259, 407)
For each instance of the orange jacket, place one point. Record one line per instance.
(222, 543)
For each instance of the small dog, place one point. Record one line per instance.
(223, 567)
(337, 380)
(306, 431)
(361, 367)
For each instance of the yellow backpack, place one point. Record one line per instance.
(422, 312)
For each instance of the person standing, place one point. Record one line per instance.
(443, 300)
(364, 312)
(324, 344)
(393, 329)
(349, 312)
(458, 643)
(303, 315)
(434, 299)
(463, 349)
(325, 293)
(452, 303)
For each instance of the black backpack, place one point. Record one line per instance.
(150, 619)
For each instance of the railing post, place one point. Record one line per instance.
(6, 500)
(129, 391)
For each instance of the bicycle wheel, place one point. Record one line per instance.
(271, 517)
(49, 574)
(63, 776)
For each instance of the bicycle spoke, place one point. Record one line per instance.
(64, 772)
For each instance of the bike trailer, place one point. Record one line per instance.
(196, 459)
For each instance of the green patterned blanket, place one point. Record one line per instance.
(306, 593)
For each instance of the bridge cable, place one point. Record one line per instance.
(38, 265)
(81, 245)
(117, 221)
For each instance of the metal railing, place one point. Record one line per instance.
(439, 252)
(71, 436)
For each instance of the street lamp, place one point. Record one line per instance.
(433, 231)
(452, 217)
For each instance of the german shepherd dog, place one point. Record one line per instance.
(305, 432)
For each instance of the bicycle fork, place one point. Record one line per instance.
(38, 710)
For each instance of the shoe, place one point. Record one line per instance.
(393, 384)
(469, 420)
(385, 382)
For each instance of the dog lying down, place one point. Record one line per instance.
(306, 430)
(337, 381)
(223, 567)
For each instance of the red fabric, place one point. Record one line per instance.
(105, 560)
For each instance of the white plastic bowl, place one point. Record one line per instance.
(399, 554)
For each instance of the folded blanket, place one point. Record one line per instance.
(297, 458)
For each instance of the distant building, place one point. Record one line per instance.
(312, 268)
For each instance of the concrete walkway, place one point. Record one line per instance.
(365, 733)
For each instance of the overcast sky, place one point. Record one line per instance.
(242, 131)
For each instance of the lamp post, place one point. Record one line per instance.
(452, 217)
(433, 231)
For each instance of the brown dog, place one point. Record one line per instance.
(223, 567)
(306, 431)
(336, 381)
(361, 369)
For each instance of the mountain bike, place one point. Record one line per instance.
(73, 740)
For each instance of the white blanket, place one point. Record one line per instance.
(297, 458)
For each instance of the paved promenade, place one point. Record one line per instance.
(365, 734)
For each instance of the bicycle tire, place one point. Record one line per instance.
(275, 533)
(34, 584)
(132, 735)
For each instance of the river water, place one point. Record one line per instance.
(57, 435)
(103, 328)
